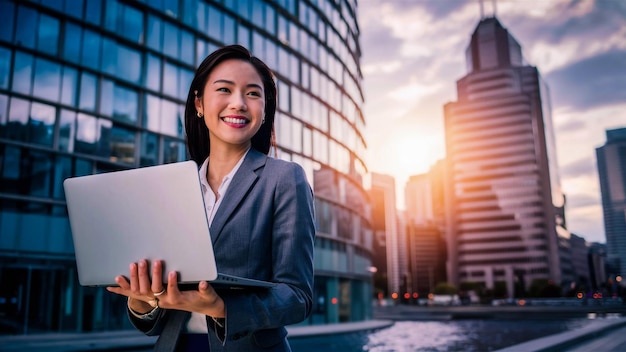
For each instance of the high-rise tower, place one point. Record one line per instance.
(612, 171)
(504, 198)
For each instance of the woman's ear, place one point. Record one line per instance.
(198, 104)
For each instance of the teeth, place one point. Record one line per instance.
(235, 120)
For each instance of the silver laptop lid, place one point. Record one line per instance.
(154, 212)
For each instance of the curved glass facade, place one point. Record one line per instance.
(89, 86)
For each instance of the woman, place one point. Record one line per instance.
(260, 212)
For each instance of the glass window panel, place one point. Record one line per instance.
(306, 142)
(296, 134)
(153, 74)
(93, 11)
(71, 44)
(185, 79)
(62, 170)
(186, 47)
(68, 86)
(4, 104)
(128, 64)
(18, 119)
(122, 145)
(149, 149)
(132, 27)
(201, 51)
(271, 58)
(41, 124)
(283, 33)
(67, 130)
(5, 67)
(171, 7)
(171, 40)
(270, 19)
(26, 31)
(90, 55)
(152, 113)
(243, 36)
(86, 134)
(10, 163)
(193, 14)
(173, 151)
(229, 30)
(74, 8)
(294, 73)
(215, 23)
(37, 168)
(305, 75)
(87, 98)
(155, 33)
(157, 4)
(171, 123)
(109, 56)
(284, 132)
(257, 13)
(83, 167)
(283, 96)
(106, 97)
(6, 18)
(170, 80)
(257, 45)
(283, 62)
(103, 136)
(47, 80)
(125, 104)
(48, 36)
(22, 73)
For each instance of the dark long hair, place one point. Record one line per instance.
(198, 141)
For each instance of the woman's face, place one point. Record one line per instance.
(233, 104)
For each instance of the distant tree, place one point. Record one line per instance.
(444, 288)
(544, 288)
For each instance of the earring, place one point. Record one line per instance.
(199, 114)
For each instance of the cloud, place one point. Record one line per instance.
(582, 167)
(591, 82)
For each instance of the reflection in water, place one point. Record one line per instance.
(435, 336)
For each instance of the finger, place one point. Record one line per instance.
(172, 283)
(144, 278)
(205, 288)
(134, 280)
(157, 276)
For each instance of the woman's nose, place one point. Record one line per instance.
(238, 102)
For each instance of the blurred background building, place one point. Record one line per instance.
(611, 159)
(506, 216)
(91, 86)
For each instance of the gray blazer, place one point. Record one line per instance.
(264, 229)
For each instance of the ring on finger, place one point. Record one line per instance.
(157, 294)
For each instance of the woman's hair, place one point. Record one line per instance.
(198, 141)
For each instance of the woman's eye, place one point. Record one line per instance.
(223, 89)
(256, 94)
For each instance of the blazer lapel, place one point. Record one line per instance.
(239, 186)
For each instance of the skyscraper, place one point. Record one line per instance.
(504, 186)
(612, 172)
(89, 86)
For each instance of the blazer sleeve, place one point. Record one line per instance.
(293, 235)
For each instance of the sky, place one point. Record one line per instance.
(413, 52)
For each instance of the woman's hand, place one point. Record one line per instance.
(147, 294)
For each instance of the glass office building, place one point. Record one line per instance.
(91, 86)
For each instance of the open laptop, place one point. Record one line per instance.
(155, 212)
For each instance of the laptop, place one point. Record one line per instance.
(154, 212)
